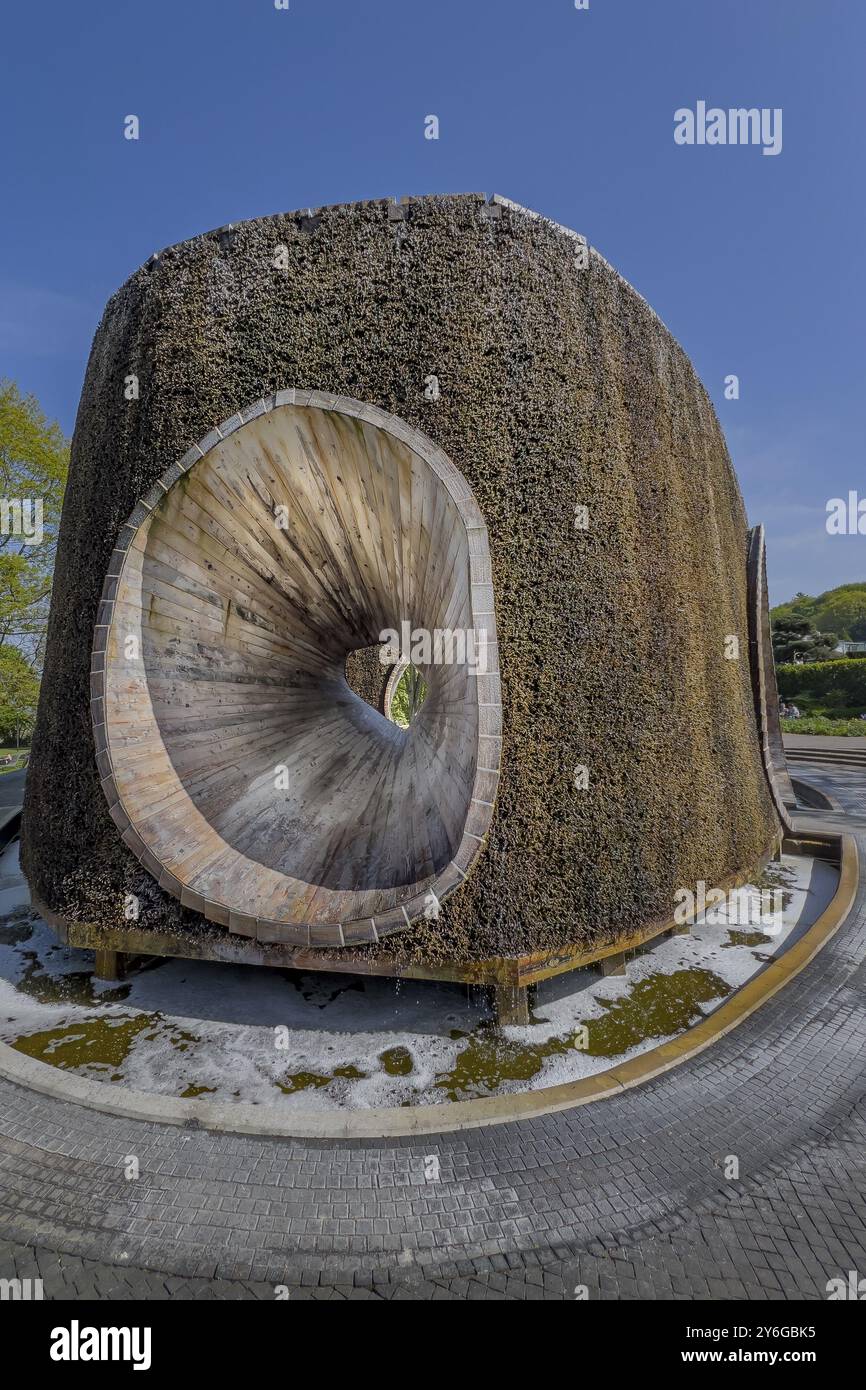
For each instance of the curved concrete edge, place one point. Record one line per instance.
(821, 800)
(419, 1120)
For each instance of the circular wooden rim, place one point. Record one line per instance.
(487, 685)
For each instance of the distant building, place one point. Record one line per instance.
(850, 648)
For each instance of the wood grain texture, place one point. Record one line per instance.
(239, 765)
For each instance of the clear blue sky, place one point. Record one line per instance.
(756, 263)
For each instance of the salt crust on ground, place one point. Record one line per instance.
(213, 1025)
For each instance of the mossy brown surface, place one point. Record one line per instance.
(367, 676)
(559, 388)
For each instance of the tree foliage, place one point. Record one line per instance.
(835, 611)
(19, 694)
(795, 639)
(837, 688)
(408, 697)
(34, 458)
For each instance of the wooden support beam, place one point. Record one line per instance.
(511, 972)
(108, 965)
(512, 1005)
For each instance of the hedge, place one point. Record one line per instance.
(838, 683)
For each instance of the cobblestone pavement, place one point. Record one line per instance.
(626, 1198)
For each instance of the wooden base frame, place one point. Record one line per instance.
(508, 977)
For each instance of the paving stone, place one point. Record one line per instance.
(625, 1196)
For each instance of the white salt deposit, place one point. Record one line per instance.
(325, 1042)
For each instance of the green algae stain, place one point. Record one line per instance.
(656, 1007)
(192, 1091)
(182, 1040)
(103, 1042)
(302, 1081)
(777, 876)
(312, 1080)
(490, 1060)
(397, 1061)
(746, 938)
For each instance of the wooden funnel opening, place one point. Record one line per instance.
(242, 769)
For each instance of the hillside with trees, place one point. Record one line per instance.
(840, 611)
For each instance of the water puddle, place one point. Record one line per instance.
(13, 932)
(183, 1041)
(78, 987)
(312, 1080)
(654, 1008)
(99, 1042)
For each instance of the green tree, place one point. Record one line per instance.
(408, 697)
(795, 639)
(34, 458)
(837, 610)
(19, 693)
